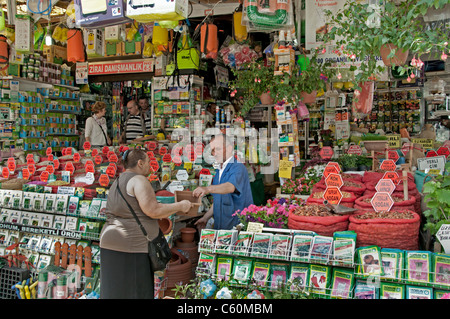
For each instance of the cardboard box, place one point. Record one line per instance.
(113, 33)
(54, 53)
(113, 48)
(94, 42)
(132, 48)
(160, 65)
(284, 61)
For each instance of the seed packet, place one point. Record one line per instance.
(102, 211)
(35, 219)
(71, 223)
(299, 277)
(225, 240)
(342, 283)
(364, 290)
(223, 269)
(206, 264)
(242, 244)
(344, 248)
(441, 270)
(279, 273)
(61, 204)
(26, 202)
(16, 199)
(319, 279)
(242, 270)
(207, 240)
(390, 290)
(4, 217)
(280, 246)
(321, 249)
(391, 261)
(33, 243)
(416, 292)
(261, 245)
(261, 272)
(45, 244)
(14, 217)
(83, 207)
(369, 261)
(6, 199)
(73, 205)
(46, 220)
(94, 208)
(24, 241)
(38, 202)
(301, 247)
(438, 294)
(418, 266)
(44, 261)
(54, 241)
(50, 203)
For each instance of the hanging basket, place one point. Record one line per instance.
(399, 57)
(266, 99)
(308, 97)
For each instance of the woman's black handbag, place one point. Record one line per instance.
(158, 248)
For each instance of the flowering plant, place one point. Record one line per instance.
(298, 186)
(274, 214)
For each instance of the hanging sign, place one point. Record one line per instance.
(121, 67)
(326, 152)
(334, 180)
(333, 195)
(385, 186)
(382, 202)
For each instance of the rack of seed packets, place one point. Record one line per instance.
(386, 273)
(271, 257)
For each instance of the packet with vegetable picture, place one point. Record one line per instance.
(299, 277)
(242, 271)
(301, 247)
(321, 249)
(261, 245)
(243, 243)
(369, 261)
(342, 283)
(319, 279)
(344, 248)
(441, 270)
(225, 240)
(207, 240)
(280, 246)
(279, 273)
(392, 262)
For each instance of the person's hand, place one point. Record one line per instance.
(201, 223)
(186, 206)
(200, 192)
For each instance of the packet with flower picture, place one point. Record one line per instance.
(344, 248)
(279, 272)
(342, 283)
(242, 270)
(280, 246)
(418, 266)
(364, 290)
(261, 273)
(299, 276)
(243, 243)
(224, 267)
(441, 294)
(441, 270)
(206, 264)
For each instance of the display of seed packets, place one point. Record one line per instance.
(27, 200)
(418, 266)
(342, 283)
(280, 246)
(279, 273)
(16, 199)
(225, 240)
(321, 249)
(242, 271)
(390, 290)
(50, 203)
(61, 204)
(344, 248)
(38, 201)
(206, 264)
(207, 240)
(441, 269)
(261, 245)
(416, 292)
(301, 248)
(243, 243)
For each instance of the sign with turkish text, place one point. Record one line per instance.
(103, 180)
(382, 202)
(333, 195)
(444, 150)
(25, 173)
(48, 151)
(355, 149)
(326, 152)
(388, 165)
(5, 172)
(432, 153)
(428, 163)
(405, 148)
(121, 67)
(394, 141)
(334, 180)
(393, 176)
(443, 235)
(330, 169)
(76, 157)
(44, 176)
(385, 186)
(154, 165)
(426, 143)
(69, 167)
(393, 155)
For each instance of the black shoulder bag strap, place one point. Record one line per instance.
(132, 211)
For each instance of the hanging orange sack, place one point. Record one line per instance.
(75, 46)
(4, 56)
(209, 43)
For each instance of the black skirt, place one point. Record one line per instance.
(125, 275)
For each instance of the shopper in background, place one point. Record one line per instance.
(125, 270)
(211, 114)
(230, 187)
(136, 124)
(144, 106)
(95, 130)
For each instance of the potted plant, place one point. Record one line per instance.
(374, 142)
(327, 140)
(364, 163)
(362, 31)
(348, 162)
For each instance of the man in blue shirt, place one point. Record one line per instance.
(230, 187)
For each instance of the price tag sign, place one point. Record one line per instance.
(443, 235)
(11, 165)
(255, 227)
(163, 151)
(113, 158)
(428, 163)
(204, 171)
(103, 180)
(177, 150)
(110, 171)
(89, 178)
(177, 160)
(89, 168)
(30, 160)
(333, 195)
(335, 164)
(405, 148)
(355, 149)
(393, 155)
(69, 167)
(50, 157)
(86, 146)
(5, 172)
(98, 159)
(154, 165)
(48, 151)
(50, 169)
(151, 146)
(393, 176)
(330, 169)
(198, 148)
(76, 157)
(31, 168)
(326, 152)
(150, 154)
(167, 158)
(334, 180)
(444, 151)
(153, 178)
(44, 176)
(182, 175)
(68, 151)
(94, 152)
(432, 154)
(382, 202)
(388, 165)
(56, 163)
(105, 149)
(25, 173)
(385, 186)
(175, 186)
(285, 170)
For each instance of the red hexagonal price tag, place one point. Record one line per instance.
(11, 165)
(48, 151)
(382, 202)
(388, 165)
(154, 165)
(167, 158)
(333, 195)
(432, 154)
(326, 152)
(163, 151)
(98, 159)
(334, 180)
(86, 146)
(103, 180)
(76, 157)
(393, 155)
(44, 176)
(50, 169)
(89, 168)
(335, 164)
(330, 169)
(177, 160)
(198, 148)
(5, 172)
(94, 152)
(385, 186)
(25, 173)
(393, 176)
(110, 171)
(69, 167)
(56, 163)
(443, 150)
(405, 148)
(113, 158)
(31, 168)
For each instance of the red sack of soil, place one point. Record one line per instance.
(347, 200)
(348, 176)
(370, 176)
(351, 186)
(363, 202)
(395, 229)
(316, 218)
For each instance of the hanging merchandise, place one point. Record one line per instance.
(75, 46)
(240, 33)
(209, 43)
(187, 56)
(160, 39)
(4, 56)
(99, 13)
(24, 34)
(268, 15)
(93, 40)
(143, 12)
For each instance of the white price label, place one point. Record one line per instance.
(443, 235)
(182, 175)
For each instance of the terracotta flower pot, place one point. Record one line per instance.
(308, 97)
(165, 224)
(187, 234)
(399, 57)
(266, 99)
(377, 146)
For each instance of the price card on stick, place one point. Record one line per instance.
(56, 163)
(50, 157)
(76, 157)
(330, 169)
(11, 165)
(48, 151)
(89, 178)
(182, 175)
(94, 152)
(103, 180)
(382, 202)
(25, 173)
(333, 195)
(443, 235)
(354, 149)
(388, 165)
(326, 152)
(385, 186)
(255, 227)
(44, 176)
(444, 151)
(392, 176)
(334, 180)
(31, 168)
(335, 164)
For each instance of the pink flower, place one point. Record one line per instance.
(412, 75)
(339, 76)
(444, 56)
(353, 56)
(408, 79)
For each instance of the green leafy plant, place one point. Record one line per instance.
(348, 160)
(437, 198)
(360, 30)
(373, 137)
